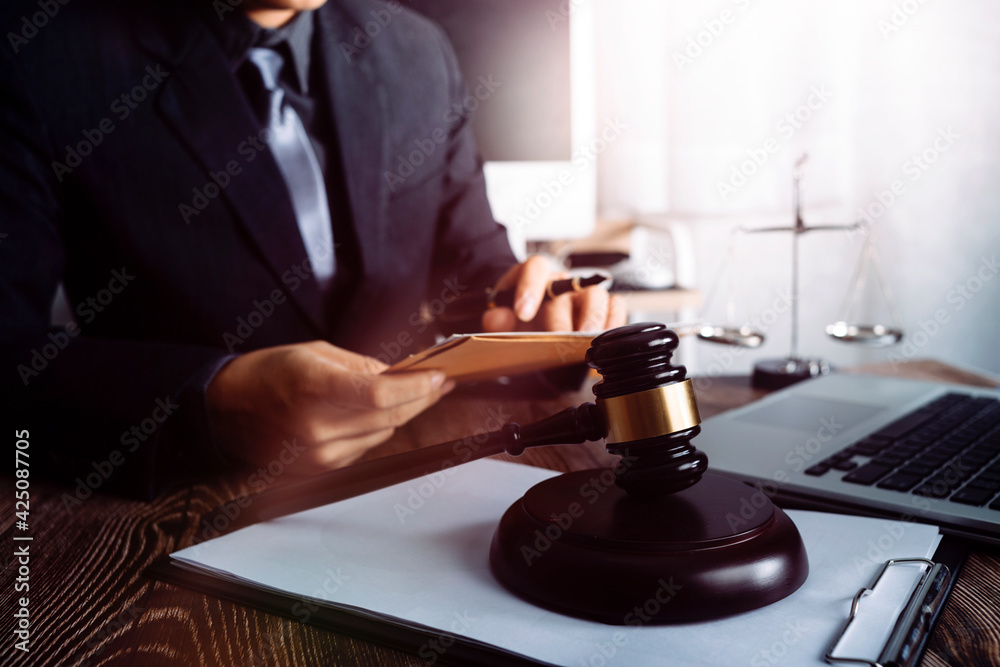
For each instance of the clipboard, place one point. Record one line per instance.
(905, 648)
(911, 629)
(446, 568)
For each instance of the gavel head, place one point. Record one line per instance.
(649, 408)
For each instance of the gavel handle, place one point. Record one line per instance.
(571, 426)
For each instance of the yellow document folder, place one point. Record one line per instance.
(473, 357)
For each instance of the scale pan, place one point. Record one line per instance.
(872, 335)
(739, 336)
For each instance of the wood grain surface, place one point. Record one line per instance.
(91, 604)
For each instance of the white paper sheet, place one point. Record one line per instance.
(417, 553)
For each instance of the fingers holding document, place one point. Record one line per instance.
(330, 404)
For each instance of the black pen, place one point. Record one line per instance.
(472, 305)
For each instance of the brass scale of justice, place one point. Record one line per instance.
(666, 516)
(778, 373)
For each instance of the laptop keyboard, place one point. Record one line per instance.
(948, 448)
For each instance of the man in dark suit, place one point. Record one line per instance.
(140, 166)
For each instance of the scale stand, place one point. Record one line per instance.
(779, 373)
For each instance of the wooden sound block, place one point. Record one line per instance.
(580, 545)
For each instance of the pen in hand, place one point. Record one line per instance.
(473, 305)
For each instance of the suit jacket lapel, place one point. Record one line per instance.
(357, 98)
(201, 100)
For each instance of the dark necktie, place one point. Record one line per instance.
(293, 151)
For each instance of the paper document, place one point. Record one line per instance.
(417, 554)
(473, 357)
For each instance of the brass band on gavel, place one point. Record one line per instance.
(650, 413)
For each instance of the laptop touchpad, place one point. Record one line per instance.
(808, 415)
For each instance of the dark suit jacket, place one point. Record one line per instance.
(121, 119)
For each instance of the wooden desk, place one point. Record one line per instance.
(91, 605)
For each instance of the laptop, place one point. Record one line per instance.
(876, 446)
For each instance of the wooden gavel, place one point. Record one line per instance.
(645, 410)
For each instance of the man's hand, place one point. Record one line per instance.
(333, 402)
(593, 309)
